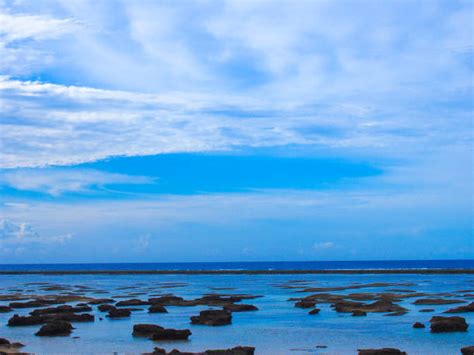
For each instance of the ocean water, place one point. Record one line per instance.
(262, 265)
(276, 328)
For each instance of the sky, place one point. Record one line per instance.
(174, 131)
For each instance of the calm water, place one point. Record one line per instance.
(264, 265)
(277, 328)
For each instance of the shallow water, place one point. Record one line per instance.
(276, 328)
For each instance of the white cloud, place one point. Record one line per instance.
(22, 233)
(57, 181)
(143, 79)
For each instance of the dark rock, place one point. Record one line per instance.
(17, 321)
(5, 309)
(462, 309)
(212, 317)
(105, 307)
(60, 309)
(240, 307)
(56, 328)
(157, 308)
(6, 344)
(133, 302)
(171, 334)
(238, 350)
(448, 324)
(145, 330)
(358, 313)
(70, 317)
(418, 325)
(395, 314)
(436, 301)
(305, 304)
(101, 301)
(377, 306)
(468, 350)
(383, 351)
(119, 313)
(314, 311)
(31, 304)
(426, 310)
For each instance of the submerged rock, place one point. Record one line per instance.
(212, 318)
(448, 324)
(383, 351)
(314, 311)
(56, 328)
(418, 325)
(359, 313)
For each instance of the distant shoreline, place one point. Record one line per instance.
(238, 272)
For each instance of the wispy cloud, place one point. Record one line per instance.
(170, 78)
(57, 181)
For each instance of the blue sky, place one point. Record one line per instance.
(236, 130)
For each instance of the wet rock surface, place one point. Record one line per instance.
(418, 325)
(119, 313)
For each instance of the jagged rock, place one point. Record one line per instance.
(145, 330)
(468, 350)
(383, 351)
(157, 308)
(462, 309)
(56, 328)
(358, 313)
(118, 313)
(240, 307)
(132, 302)
(418, 325)
(448, 324)
(314, 311)
(212, 318)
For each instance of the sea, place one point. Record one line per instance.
(278, 327)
